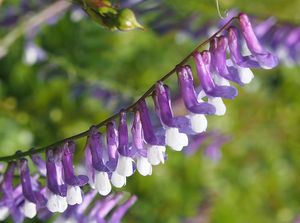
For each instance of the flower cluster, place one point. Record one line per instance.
(30, 196)
(113, 156)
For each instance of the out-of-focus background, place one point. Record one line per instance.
(60, 73)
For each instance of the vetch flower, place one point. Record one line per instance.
(265, 59)
(125, 166)
(11, 198)
(102, 208)
(74, 182)
(173, 136)
(57, 190)
(120, 212)
(226, 68)
(155, 144)
(33, 199)
(112, 141)
(143, 165)
(96, 148)
(197, 108)
(203, 65)
(39, 163)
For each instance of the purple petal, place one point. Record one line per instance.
(235, 51)
(218, 48)
(209, 87)
(26, 181)
(96, 147)
(120, 212)
(67, 161)
(124, 148)
(264, 58)
(137, 131)
(7, 182)
(188, 93)
(54, 181)
(39, 163)
(148, 130)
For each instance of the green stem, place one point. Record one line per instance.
(130, 108)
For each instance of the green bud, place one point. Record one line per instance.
(126, 20)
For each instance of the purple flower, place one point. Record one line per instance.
(112, 139)
(11, 198)
(173, 136)
(125, 166)
(74, 182)
(235, 50)
(143, 165)
(203, 64)
(265, 59)
(155, 144)
(57, 189)
(96, 148)
(213, 150)
(120, 212)
(33, 199)
(39, 163)
(226, 68)
(197, 108)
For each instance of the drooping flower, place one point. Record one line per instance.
(125, 166)
(120, 212)
(11, 198)
(39, 163)
(73, 182)
(96, 148)
(143, 165)
(174, 137)
(57, 189)
(155, 144)
(210, 88)
(265, 59)
(112, 141)
(33, 198)
(197, 108)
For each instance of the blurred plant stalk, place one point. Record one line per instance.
(30, 22)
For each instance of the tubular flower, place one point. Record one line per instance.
(33, 199)
(143, 165)
(57, 189)
(155, 144)
(73, 182)
(112, 140)
(96, 148)
(173, 137)
(125, 165)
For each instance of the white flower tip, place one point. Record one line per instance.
(125, 166)
(4, 212)
(102, 183)
(56, 203)
(175, 139)
(74, 195)
(143, 166)
(246, 75)
(219, 105)
(155, 154)
(29, 209)
(117, 180)
(198, 122)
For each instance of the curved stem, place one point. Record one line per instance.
(130, 108)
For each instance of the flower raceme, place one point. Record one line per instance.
(110, 162)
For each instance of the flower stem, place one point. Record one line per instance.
(20, 154)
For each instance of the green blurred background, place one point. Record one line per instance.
(257, 179)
